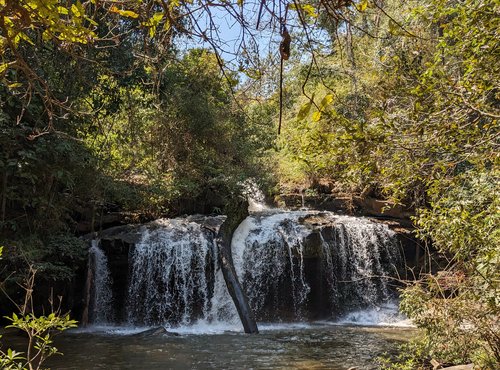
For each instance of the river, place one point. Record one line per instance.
(299, 346)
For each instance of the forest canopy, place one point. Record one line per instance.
(164, 107)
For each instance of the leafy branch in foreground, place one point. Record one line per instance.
(39, 329)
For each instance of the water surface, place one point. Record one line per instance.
(316, 346)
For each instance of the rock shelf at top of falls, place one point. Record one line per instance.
(293, 265)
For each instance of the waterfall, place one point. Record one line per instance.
(293, 265)
(172, 274)
(268, 258)
(101, 295)
(272, 252)
(361, 256)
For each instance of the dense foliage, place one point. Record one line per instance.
(103, 114)
(413, 116)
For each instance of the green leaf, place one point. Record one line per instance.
(304, 111)
(393, 27)
(326, 101)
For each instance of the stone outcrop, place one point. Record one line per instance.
(348, 205)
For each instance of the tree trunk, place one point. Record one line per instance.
(236, 211)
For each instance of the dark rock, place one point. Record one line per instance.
(376, 207)
(127, 233)
(154, 332)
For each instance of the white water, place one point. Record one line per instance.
(385, 315)
(172, 267)
(175, 280)
(254, 195)
(102, 297)
(268, 252)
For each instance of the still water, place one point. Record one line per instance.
(314, 346)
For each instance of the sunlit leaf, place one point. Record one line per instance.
(327, 100)
(15, 85)
(75, 11)
(362, 5)
(3, 67)
(308, 9)
(304, 111)
(124, 13)
(62, 10)
(25, 37)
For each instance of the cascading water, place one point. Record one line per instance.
(293, 265)
(172, 274)
(101, 296)
(362, 255)
(268, 258)
(278, 256)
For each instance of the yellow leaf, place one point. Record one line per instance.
(157, 17)
(166, 25)
(14, 85)
(16, 40)
(75, 11)
(23, 36)
(91, 21)
(363, 4)
(327, 100)
(46, 35)
(309, 10)
(124, 13)
(304, 111)
(316, 116)
(3, 67)
(128, 13)
(62, 10)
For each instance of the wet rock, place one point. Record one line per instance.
(154, 332)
